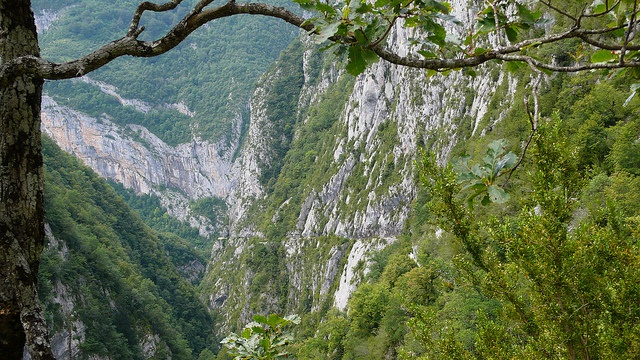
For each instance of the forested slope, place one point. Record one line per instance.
(110, 285)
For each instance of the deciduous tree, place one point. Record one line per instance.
(564, 281)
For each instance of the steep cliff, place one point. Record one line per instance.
(141, 161)
(347, 184)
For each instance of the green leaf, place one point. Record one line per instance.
(496, 147)
(479, 51)
(427, 54)
(437, 6)
(479, 187)
(369, 56)
(326, 32)
(258, 330)
(295, 319)
(345, 12)
(469, 71)
(497, 194)
(325, 8)
(603, 56)
(512, 34)
(506, 162)
(467, 40)
(430, 73)
(489, 159)
(479, 171)
(462, 177)
(355, 63)
(514, 66)
(360, 36)
(526, 16)
(598, 8)
(486, 24)
(363, 8)
(273, 320)
(439, 35)
(260, 319)
(358, 59)
(266, 344)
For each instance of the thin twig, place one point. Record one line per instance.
(496, 20)
(559, 11)
(386, 32)
(607, 10)
(533, 120)
(630, 32)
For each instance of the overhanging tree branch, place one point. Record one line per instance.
(134, 29)
(200, 15)
(130, 45)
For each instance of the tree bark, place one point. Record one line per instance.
(21, 191)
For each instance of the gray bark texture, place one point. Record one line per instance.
(21, 191)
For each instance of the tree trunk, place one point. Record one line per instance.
(21, 192)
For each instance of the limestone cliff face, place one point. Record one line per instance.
(141, 161)
(390, 112)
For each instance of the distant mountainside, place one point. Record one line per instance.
(197, 89)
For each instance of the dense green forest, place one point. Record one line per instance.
(107, 270)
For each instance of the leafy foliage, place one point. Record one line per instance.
(559, 285)
(155, 216)
(482, 179)
(264, 338)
